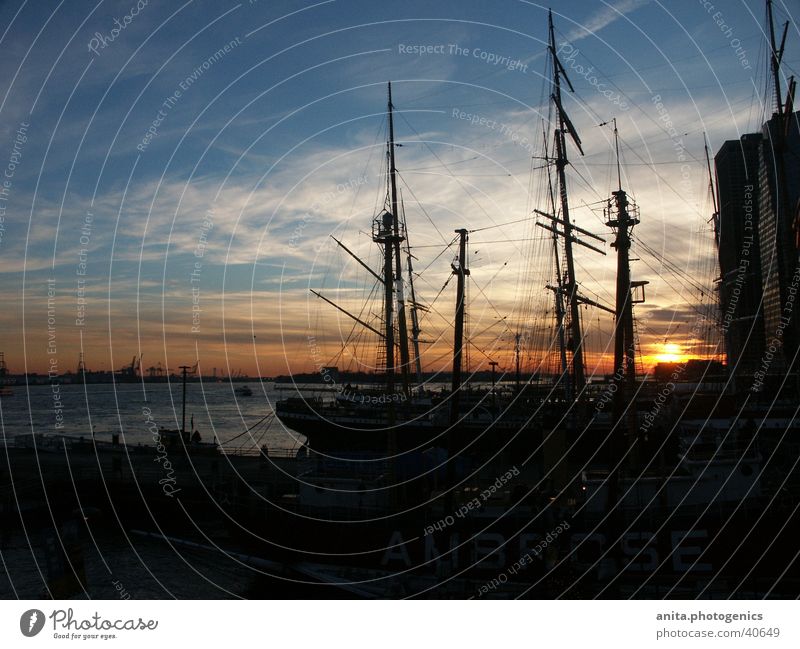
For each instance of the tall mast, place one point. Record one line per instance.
(401, 308)
(558, 289)
(388, 309)
(460, 271)
(622, 222)
(570, 285)
(415, 328)
(622, 217)
(383, 233)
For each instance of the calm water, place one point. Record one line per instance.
(217, 410)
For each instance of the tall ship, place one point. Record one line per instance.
(559, 481)
(399, 412)
(634, 484)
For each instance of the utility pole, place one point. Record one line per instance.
(494, 394)
(184, 369)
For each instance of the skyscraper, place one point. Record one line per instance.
(779, 180)
(737, 170)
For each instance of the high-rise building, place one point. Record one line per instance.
(779, 179)
(737, 171)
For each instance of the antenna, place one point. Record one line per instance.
(711, 188)
(776, 56)
(616, 147)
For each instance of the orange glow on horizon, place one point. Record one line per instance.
(670, 353)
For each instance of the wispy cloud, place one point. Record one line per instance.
(602, 18)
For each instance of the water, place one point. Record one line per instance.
(122, 409)
(110, 409)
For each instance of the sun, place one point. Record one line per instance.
(670, 353)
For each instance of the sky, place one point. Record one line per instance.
(173, 173)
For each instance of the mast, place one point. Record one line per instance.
(622, 222)
(384, 229)
(622, 217)
(571, 284)
(401, 308)
(558, 289)
(384, 234)
(415, 328)
(460, 271)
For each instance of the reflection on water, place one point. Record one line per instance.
(107, 409)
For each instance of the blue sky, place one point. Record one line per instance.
(259, 133)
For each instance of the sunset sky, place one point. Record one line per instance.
(178, 172)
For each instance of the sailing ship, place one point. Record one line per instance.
(402, 417)
(648, 509)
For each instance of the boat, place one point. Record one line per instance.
(243, 391)
(411, 499)
(400, 416)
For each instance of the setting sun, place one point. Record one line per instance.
(669, 353)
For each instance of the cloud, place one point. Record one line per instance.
(602, 18)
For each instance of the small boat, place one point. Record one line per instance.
(243, 391)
